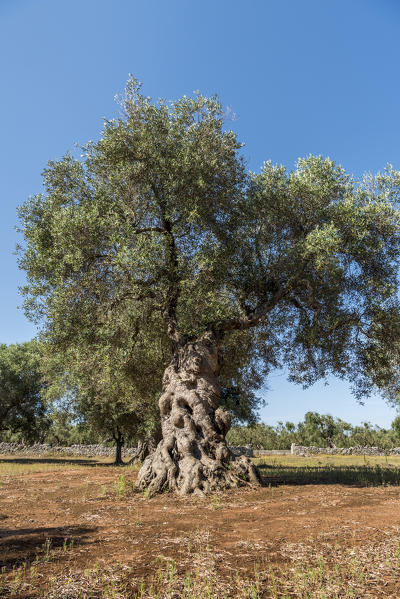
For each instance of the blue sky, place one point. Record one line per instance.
(301, 77)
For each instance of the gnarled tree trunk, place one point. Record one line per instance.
(146, 446)
(192, 456)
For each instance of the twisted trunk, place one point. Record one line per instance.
(146, 446)
(192, 456)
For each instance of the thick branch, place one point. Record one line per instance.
(7, 409)
(254, 317)
(150, 230)
(174, 289)
(316, 307)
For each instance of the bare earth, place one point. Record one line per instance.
(88, 519)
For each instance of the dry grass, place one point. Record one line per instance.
(326, 469)
(16, 465)
(328, 460)
(371, 572)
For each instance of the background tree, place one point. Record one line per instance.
(111, 376)
(63, 430)
(396, 429)
(23, 411)
(318, 427)
(262, 436)
(367, 435)
(308, 432)
(116, 419)
(161, 218)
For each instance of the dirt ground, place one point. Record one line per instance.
(89, 516)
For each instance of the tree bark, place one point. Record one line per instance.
(192, 456)
(119, 442)
(146, 446)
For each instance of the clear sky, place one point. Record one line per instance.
(300, 76)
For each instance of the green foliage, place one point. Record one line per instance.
(23, 411)
(68, 426)
(396, 428)
(322, 426)
(98, 241)
(158, 234)
(320, 430)
(105, 399)
(324, 249)
(124, 487)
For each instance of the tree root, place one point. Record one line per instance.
(192, 476)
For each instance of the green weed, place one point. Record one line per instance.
(124, 487)
(216, 502)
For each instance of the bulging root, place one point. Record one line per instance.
(190, 475)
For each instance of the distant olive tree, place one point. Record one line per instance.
(310, 432)
(23, 410)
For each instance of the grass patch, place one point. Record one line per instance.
(361, 471)
(25, 580)
(12, 466)
(124, 487)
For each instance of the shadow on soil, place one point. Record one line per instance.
(359, 476)
(60, 460)
(28, 545)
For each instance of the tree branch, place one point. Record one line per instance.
(150, 230)
(253, 318)
(174, 289)
(316, 307)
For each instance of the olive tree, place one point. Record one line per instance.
(23, 409)
(160, 220)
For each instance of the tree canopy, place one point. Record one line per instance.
(23, 410)
(159, 231)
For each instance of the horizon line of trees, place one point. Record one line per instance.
(61, 425)
(319, 430)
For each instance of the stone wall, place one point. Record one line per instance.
(86, 450)
(103, 451)
(237, 451)
(73, 450)
(300, 450)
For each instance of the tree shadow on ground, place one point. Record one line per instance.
(358, 476)
(56, 460)
(29, 545)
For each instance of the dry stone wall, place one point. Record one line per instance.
(261, 452)
(300, 450)
(237, 451)
(86, 450)
(104, 451)
(72, 450)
